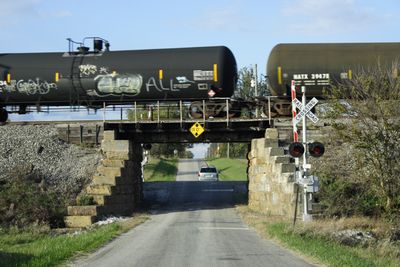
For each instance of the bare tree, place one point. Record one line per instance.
(365, 112)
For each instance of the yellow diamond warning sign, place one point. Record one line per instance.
(196, 129)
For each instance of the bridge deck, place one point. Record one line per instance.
(162, 131)
(215, 130)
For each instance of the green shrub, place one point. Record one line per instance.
(24, 200)
(85, 200)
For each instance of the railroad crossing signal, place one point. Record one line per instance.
(196, 129)
(316, 149)
(305, 110)
(296, 149)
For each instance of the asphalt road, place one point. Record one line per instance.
(192, 224)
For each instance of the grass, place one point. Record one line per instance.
(230, 169)
(161, 170)
(30, 248)
(315, 245)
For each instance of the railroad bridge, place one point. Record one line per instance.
(117, 186)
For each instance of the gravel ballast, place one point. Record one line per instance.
(63, 167)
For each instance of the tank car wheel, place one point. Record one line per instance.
(3, 115)
(232, 113)
(196, 110)
(272, 111)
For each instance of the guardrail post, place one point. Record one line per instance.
(269, 110)
(158, 112)
(135, 113)
(227, 113)
(98, 127)
(180, 113)
(104, 111)
(81, 133)
(68, 133)
(204, 111)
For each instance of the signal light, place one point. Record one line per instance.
(296, 149)
(146, 146)
(316, 149)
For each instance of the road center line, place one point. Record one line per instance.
(224, 228)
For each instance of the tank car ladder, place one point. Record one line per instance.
(76, 82)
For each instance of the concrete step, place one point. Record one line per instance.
(282, 159)
(114, 200)
(99, 189)
(275, 151)
(286, 167)
(114, 163)
(116, 149)
(108, 190)
(116, 181)
(97, 210)
(109, 171)
(79, 221)
(91, 210)
(129, 170)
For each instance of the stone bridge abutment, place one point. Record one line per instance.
(116, 187)
(272, 189)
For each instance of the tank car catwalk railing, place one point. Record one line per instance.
(221, 109)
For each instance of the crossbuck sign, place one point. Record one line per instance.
(305, 111)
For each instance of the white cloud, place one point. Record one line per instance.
(324, 17)
(15, 12)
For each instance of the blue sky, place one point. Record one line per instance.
(250, 28)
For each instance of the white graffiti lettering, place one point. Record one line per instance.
(183, 79)
(119, 84)
(29, 87)
(152, 83)
(88, 69)
(103, 70)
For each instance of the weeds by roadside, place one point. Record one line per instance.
(319, 241)
(48, 248)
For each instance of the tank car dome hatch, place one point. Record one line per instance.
(81, 48)
(97, 45)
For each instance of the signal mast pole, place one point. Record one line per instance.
(316, 149)
(306, 167)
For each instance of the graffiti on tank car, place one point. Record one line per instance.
(6, 87)
(35, 87)
(90, 70)
(103, 70)
(86, 70)
(118, 84)
(160, 86)
(183, 79)
(29, 87)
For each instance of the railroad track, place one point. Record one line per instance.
(131, 121)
